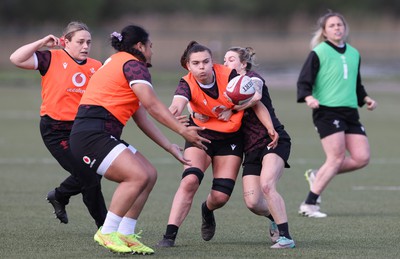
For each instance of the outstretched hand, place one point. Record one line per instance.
(176, 151)
(183, 119)
(191, 135)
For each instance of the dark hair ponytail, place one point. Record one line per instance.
(129, 36)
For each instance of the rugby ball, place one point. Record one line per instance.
(240, 89)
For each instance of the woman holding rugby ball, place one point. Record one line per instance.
(203, 89)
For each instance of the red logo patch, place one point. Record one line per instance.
(86, 160)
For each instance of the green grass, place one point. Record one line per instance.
(360, 223)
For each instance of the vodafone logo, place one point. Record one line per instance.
(79, 79)
(86, 160)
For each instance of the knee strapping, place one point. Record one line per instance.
(224, 185)
(194, 170)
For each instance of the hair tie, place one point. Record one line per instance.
(117, 35)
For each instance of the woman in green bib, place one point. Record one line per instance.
(330, 84)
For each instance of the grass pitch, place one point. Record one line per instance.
(362, 207)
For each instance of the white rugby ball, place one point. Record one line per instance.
(240, 89)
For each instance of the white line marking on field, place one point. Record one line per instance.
(50, 160)
(167, 160)
(374, 161)
(376, 188)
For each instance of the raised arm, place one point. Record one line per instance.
(23, 56)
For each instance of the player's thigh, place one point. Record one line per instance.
(128, 167)
(272, 168)
(251, 189)
(198, 158)
(358, 146)
(334, 145)
(226, 166)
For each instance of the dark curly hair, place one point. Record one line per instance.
(129, 36)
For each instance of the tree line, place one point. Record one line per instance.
(28, 12)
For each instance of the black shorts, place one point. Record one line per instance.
(252, 163)
(55, 135)
(225, 147)
(95, 139)
(330, 120)
(91, 148)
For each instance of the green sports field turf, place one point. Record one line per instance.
(362, 207)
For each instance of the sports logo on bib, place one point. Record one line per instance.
(79, 79)
(86, 160)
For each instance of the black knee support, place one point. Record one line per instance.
(224, 185)
(193, 170)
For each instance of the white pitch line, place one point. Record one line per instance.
(167, 160)
(49, 160)
(375, 188)
(374, 161)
